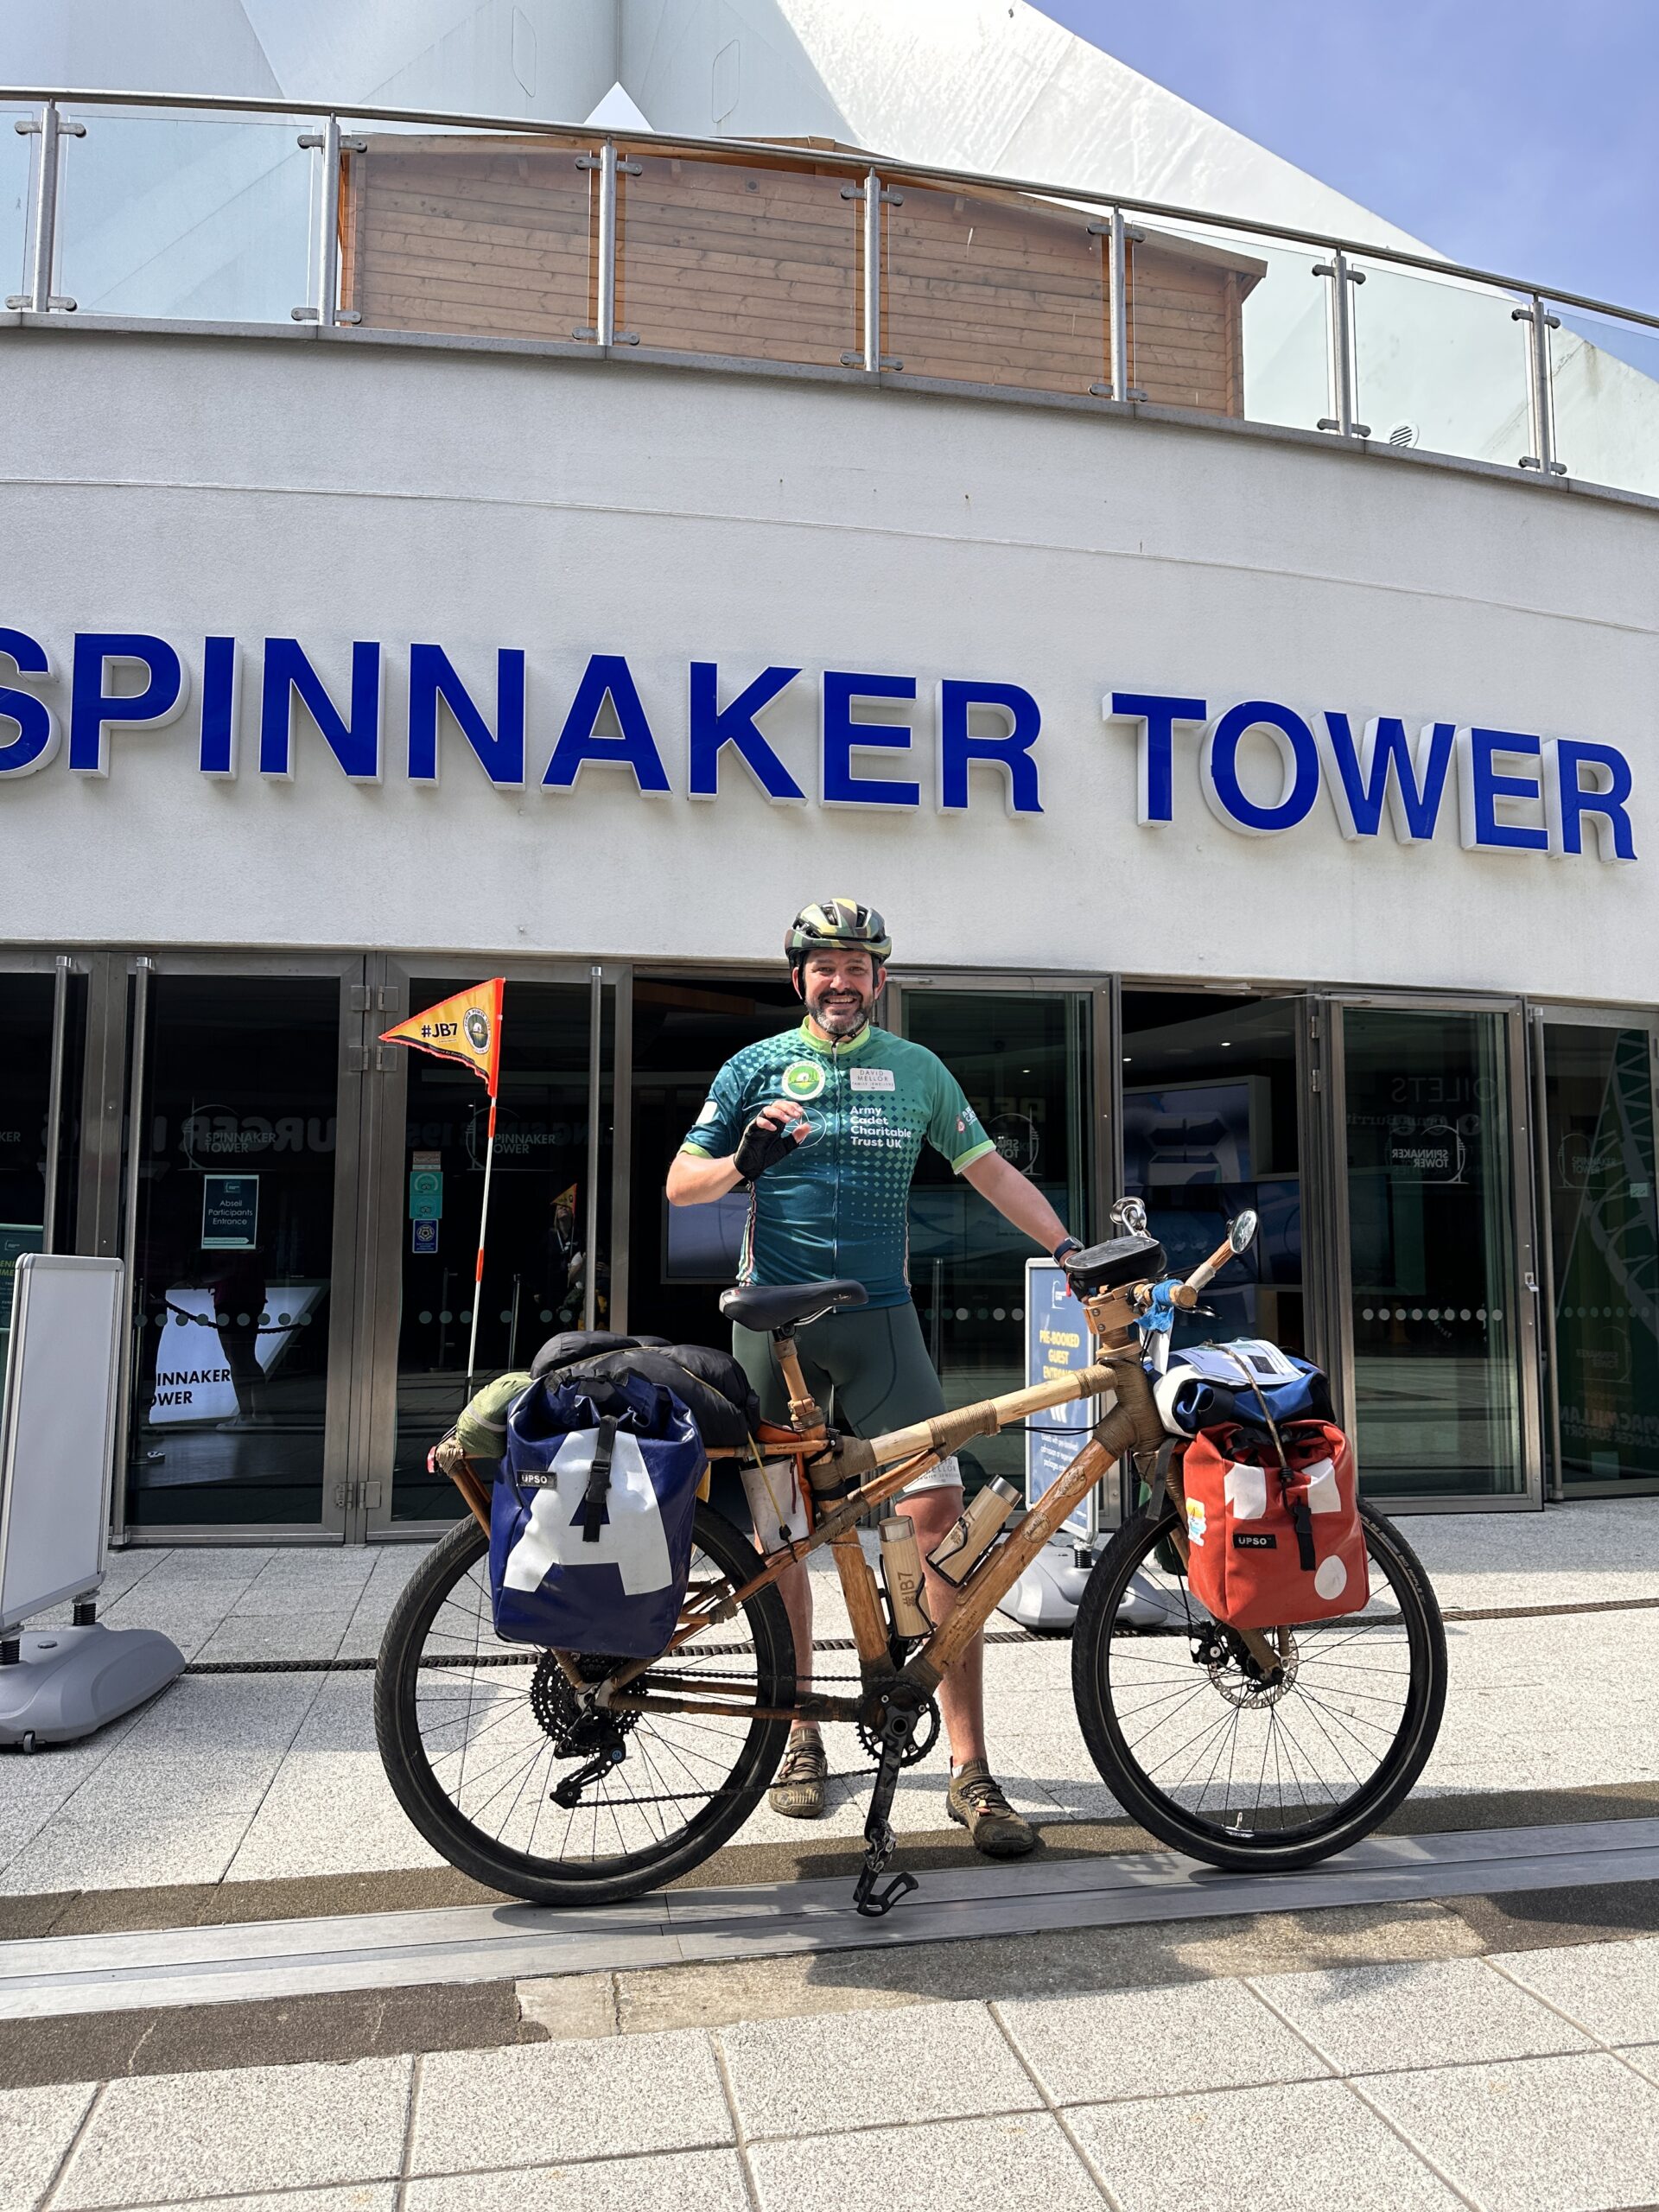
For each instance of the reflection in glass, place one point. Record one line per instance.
(204, 217)
(25, 1080)
(1431, 1210)
(1604, 1251)
(235, 1251)
(1211, 1126)
(1024, 1058)
(741, 258)
(1442, 363)
(536, 1268)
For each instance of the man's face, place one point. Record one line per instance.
(840, 990)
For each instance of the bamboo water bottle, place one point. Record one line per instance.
(975, 1525)
(901, 1570)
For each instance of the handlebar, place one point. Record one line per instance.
(1206, 1271)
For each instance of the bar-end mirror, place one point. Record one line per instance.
(1241, 1233)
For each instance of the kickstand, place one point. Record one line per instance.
(879, 1842)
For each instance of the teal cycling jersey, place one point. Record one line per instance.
(839, 1205)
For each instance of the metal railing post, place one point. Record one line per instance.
(143, 969)
(869, 355)
(55, 1103)
(324, 310)
(1339, 347)
(1541, 389)
(1119, 238)
(603, 330)
(51, 129)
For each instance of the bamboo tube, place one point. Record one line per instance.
(946, 1432)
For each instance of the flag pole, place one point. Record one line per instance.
(483, 1226)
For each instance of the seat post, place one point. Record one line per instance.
(803, 1412)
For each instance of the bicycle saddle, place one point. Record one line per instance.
(776, 1306)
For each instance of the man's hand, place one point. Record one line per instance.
(771, 1137)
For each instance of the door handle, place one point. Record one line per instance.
(1531, 1281)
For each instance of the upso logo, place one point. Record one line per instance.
(801, 1080)
(478, 1030)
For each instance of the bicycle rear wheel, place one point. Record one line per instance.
(476, 1735)
(1216, 1762)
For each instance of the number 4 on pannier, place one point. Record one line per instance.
(590, 1521)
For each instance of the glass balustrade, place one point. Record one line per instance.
(1443, 364)
(982, 286)
(201, 217)
(468, 234)
(1605, 376)
(445, 228)
(1227, 324)
(738, 258)
(16, 175)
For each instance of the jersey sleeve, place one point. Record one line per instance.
(953, 1128)
(715, 1133)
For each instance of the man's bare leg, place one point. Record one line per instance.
(932, 1513)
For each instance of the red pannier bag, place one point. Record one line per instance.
(1268, 1547)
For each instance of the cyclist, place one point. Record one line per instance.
(825, 1123)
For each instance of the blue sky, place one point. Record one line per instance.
(1521, 137)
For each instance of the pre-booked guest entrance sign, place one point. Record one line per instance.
(1057, 1344)
(465, 1028)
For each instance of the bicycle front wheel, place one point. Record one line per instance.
(1228, 1767)
(476, 1735)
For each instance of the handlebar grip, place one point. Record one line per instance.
(1203, 1275)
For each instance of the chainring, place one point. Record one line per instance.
(921, 1742)
(576, 1731)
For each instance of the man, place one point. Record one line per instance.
(825, 1124)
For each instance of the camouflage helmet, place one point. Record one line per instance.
(836, 926)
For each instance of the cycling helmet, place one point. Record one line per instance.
(834, 925)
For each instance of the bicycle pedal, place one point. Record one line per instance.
(872, 1902)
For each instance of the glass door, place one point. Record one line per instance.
(1027, 1059)
(240, 1166)
(42, 1017)
(1595, 1078)
(1439, 1333)
(547, 1265)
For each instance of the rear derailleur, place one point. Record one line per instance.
(575, 1724)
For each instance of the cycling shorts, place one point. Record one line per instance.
(868, 1371)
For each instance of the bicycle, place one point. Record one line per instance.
(1188, 1720)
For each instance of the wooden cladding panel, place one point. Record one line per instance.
(732, 255)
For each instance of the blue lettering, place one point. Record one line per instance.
(288, 676)
(93, 710)
(432, 677)
(1566, 801)
(843, 737)
(1298, 756)
(714, 727)
(37, 741)
(221, 685)
(607, 676)
(1386, 768)
(1157, 713)
(1480, 787)
(1011, 753)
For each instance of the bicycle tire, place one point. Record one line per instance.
(1184, 1826)
(559, 1880)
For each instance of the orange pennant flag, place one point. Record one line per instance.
(466, 1027)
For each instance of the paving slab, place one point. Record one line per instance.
(37, 2128)
(826, 2074)
(1149, 2043)
(712, 2180)
(181, 2137)
(1019, 2164)
(1323, 2151)
(540, 2104)
(1425, 2013)
(1612, 1989)
(351, 2196)
(1578, 2134)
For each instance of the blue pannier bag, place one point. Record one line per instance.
(590, 1516)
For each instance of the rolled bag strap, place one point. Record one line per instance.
(599, 1479)
(946, 1433)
